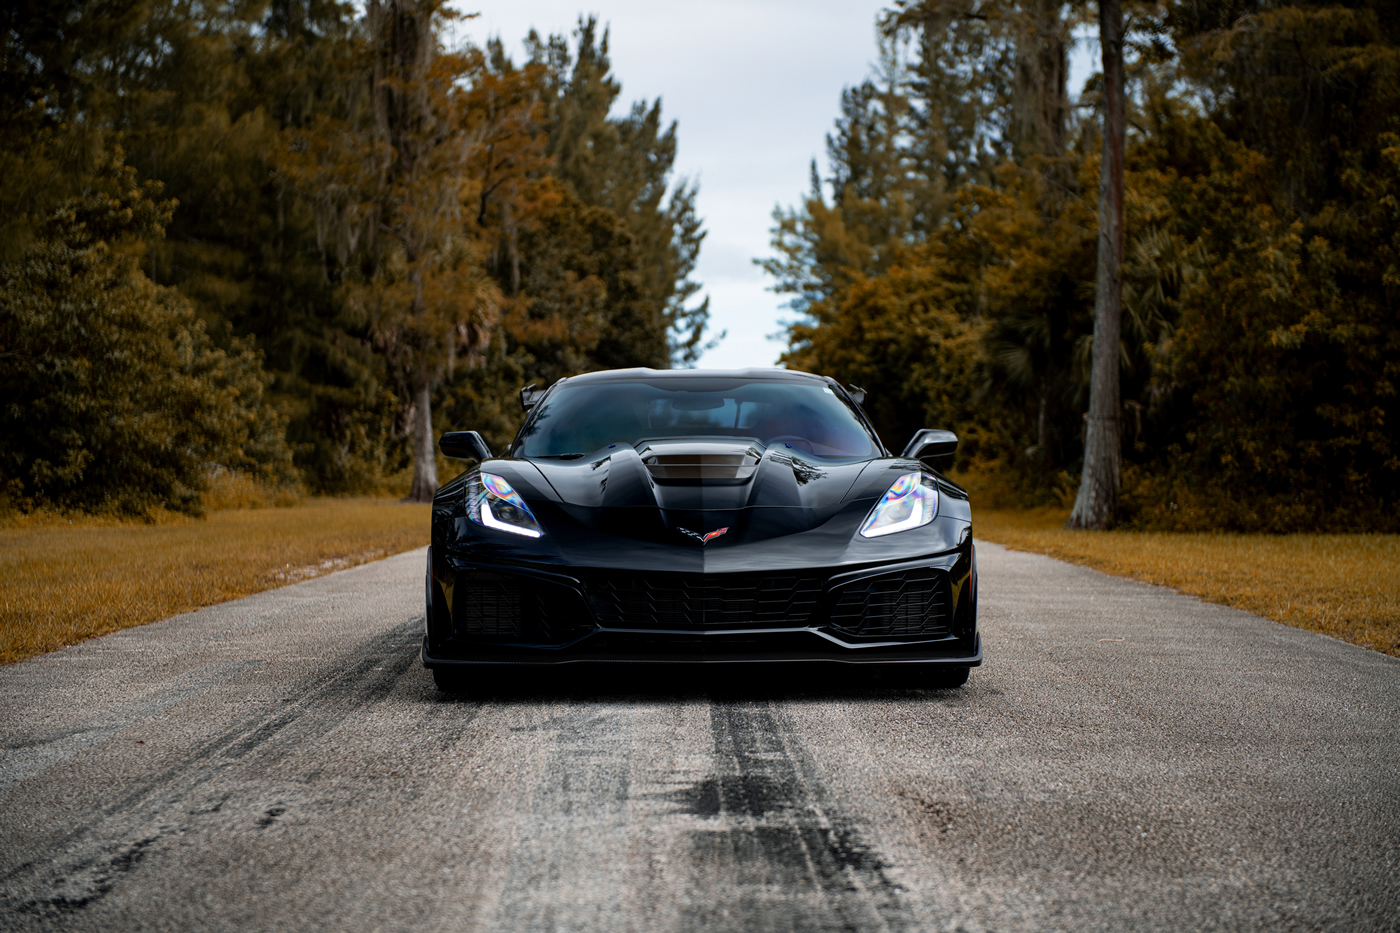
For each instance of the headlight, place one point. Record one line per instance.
(912, 501)
(492, 502)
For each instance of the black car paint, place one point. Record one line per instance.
(609, 512)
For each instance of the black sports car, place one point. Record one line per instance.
(692, 515)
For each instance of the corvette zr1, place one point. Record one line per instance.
(698, 516)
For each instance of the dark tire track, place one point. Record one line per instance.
(1127, 759)
(115, 841)
(783, 853)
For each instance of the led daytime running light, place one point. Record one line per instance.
(493, 503)
(910, 502)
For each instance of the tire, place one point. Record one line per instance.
(925, 676)
(948, 678)
(449, 680)
(470, 682)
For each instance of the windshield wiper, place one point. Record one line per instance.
(557, 456)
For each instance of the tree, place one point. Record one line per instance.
(1098, 484)
(199, 97)
(899, 336)
(885, 195)
(989, 81)
(962, 86)
(1274, 396)
(393, 180)
(624, 164)
(580, 306)
(116, 399)
(360, 203)
(1251, 381)
(52, 143)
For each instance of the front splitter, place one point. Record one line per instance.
(658, 653)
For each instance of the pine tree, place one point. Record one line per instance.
(392, 180)
(1098, 484)
(199, 97)
(52, 140)
(624, 164)
(963, 86)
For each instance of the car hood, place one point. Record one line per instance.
(633, 508)
(659, 490)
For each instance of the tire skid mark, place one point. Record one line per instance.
(111, 845)
(270, 816)
(29, 757)
(562, 872)
(346, 685)
(351, 689)
(89, 880)
(773, 853)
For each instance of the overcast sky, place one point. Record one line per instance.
(755, 86)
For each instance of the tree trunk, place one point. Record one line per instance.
(1042, 83)
(1098, 484)
(1042, 441)
(425, 481)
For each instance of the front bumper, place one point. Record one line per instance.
(793, 646)
(912, 612)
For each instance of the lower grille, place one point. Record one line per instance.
(519, 609)
(911, 602)
(701, 601)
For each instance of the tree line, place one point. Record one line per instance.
(285, 238)
(948, 262)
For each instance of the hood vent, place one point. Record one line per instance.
(701, 462)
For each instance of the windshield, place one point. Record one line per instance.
(577, 420)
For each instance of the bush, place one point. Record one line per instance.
(115, 397)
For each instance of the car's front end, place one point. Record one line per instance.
(700, 549)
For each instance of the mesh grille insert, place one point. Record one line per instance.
(517, 608)
(910, 602)
(681, 600)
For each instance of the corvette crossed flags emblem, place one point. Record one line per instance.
(703, 539)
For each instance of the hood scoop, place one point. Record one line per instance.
(653, 490)
(699, 462)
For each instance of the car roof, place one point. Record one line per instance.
(758, 374)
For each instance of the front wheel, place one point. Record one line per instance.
(469, 681)
(947, 678)
(450, 680)
(928, 676)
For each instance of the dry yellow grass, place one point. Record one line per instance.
(1346, 586)
(63, 581)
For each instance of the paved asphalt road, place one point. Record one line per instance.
(1127, 759)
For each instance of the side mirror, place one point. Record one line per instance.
(464, 445)
(931, 442)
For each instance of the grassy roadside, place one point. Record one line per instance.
(1346, 586)
(64, 581)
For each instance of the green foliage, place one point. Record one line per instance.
(199, 95)
(47, 48)
(581, 306)
(115, 397)
(595, 248)
(1260, 345)
(900, 337)
(517, 233)
(624, 164)
(886, 194)
(1278, 384)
